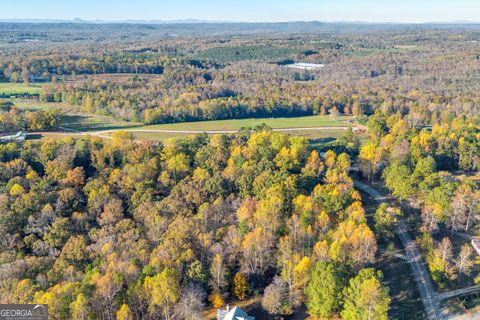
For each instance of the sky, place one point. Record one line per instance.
(246, 10)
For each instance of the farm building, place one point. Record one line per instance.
(306, 66)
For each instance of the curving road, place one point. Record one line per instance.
(429, 297)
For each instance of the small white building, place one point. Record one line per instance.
(306, 66)
(235, 313)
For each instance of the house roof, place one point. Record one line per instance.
(305, 66)
(237, 314)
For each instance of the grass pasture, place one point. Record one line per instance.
(34, 105)
(72, 118)
(75, 120)
(51, 135)
(8, 89)
(275, 123)
(91, 122)
(317, 136)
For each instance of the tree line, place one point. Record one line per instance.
(418, 166)
(13, 119)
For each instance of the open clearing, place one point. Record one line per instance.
(313, 127)
(92, 122)
(275, 123)
(19, 88)
(319, 129)
(324, 128)
(33, 104)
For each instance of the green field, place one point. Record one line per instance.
(92, 122)
(7, 88)
(299, 122)
(74, 120)
(54, 135)
(233, 125)
(320, 136)
(33, 104)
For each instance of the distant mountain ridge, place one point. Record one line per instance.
(83, 30)
(198, 21)
(130, 21)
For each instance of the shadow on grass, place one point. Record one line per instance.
(321, 141)
(406, 301)
(90, 123)
(34, 136)
(256, 310)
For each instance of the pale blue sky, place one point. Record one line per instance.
(245, 10)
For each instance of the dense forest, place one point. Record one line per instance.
(117, 228)
(12, 119)
(422, 168)
(97, 228)
(100, 228)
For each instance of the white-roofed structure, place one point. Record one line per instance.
(19, 136)
(306, 66)
(235, 313)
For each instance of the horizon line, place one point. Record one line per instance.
(193, 21)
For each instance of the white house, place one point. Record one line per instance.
(235, 313)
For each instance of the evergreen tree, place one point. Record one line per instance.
(323, 290)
